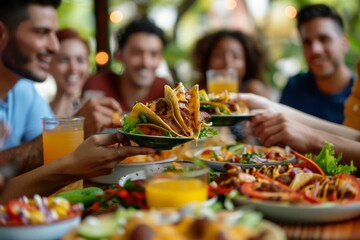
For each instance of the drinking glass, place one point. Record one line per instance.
(219, 80)
(175, 188)
(61, 136)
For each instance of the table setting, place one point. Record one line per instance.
(202, 184)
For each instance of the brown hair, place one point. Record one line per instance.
(69, 33)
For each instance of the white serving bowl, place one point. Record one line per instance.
(123, 169)
(47, 231)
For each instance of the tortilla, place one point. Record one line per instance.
(153, 118)
(302, 179)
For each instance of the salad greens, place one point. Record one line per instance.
(329, 163)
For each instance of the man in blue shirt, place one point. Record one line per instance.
(323, 90)
(22, 111)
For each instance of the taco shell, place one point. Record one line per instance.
(140, 108)
(302, 179)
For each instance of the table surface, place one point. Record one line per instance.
(349, 229)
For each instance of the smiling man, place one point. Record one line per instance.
(140, 50)
(28, 43)
(322, 90)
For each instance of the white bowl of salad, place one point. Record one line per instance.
(40, 218)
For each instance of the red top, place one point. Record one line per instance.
(107, 81)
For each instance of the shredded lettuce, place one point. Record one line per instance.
(207, 132)
(330, 164)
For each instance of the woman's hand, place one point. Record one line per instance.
(99, 154)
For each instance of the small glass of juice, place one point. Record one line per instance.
(176, 187)
(218, 80)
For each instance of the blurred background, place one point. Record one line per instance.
(184, 21)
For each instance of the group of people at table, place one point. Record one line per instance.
(32, 46)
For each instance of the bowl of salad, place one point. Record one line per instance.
(40, 218)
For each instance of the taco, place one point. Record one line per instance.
(158, 113)
(303, 179)
(221, 104)
(186, 106)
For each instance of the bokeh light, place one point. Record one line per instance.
(102, 58)
(230, 4)
(290, 12)
(116, 16)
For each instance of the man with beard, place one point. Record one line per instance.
(323, 90)
(27, 44)
(140, 49)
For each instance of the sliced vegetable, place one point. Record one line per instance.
(309, 161)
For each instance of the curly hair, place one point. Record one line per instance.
(140, 25)
(255, 56)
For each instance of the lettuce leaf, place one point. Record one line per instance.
(330, 164)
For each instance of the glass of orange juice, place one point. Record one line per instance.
(61, 136)
(218, 80)
(175, 188)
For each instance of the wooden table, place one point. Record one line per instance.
(345, 230)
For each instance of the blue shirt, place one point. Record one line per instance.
(22, 111)
(302, 93)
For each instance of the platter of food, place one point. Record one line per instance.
(172, 224)
(244, 155)
(287, 193)
(305, 213)
(169, 121)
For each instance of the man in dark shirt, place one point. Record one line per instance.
(323, 90)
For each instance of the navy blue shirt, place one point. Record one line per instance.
(302, 93)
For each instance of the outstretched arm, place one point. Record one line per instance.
(96, 156)
(277, 129)
(258, 102)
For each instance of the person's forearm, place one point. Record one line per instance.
(28, 155)
(348, 148)
(318, 123)
(44, 181)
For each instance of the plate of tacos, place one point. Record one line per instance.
(223, 110)
(169, 121)
(291, 193)
(244, 155)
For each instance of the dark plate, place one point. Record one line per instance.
(232, 119)
(156, 142)
(229, 120)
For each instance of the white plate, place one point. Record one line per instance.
(219, 166)
(319, 213)
(140, 175)
(50, 231)
(123, 169)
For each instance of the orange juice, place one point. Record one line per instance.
(60, 138)
(175, 192)
(58, 144)
(218, 87)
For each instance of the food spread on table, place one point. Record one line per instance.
(37, 210)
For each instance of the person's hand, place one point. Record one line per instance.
(98, 113)
(253, 101)
(100, 153)
(275, 129)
